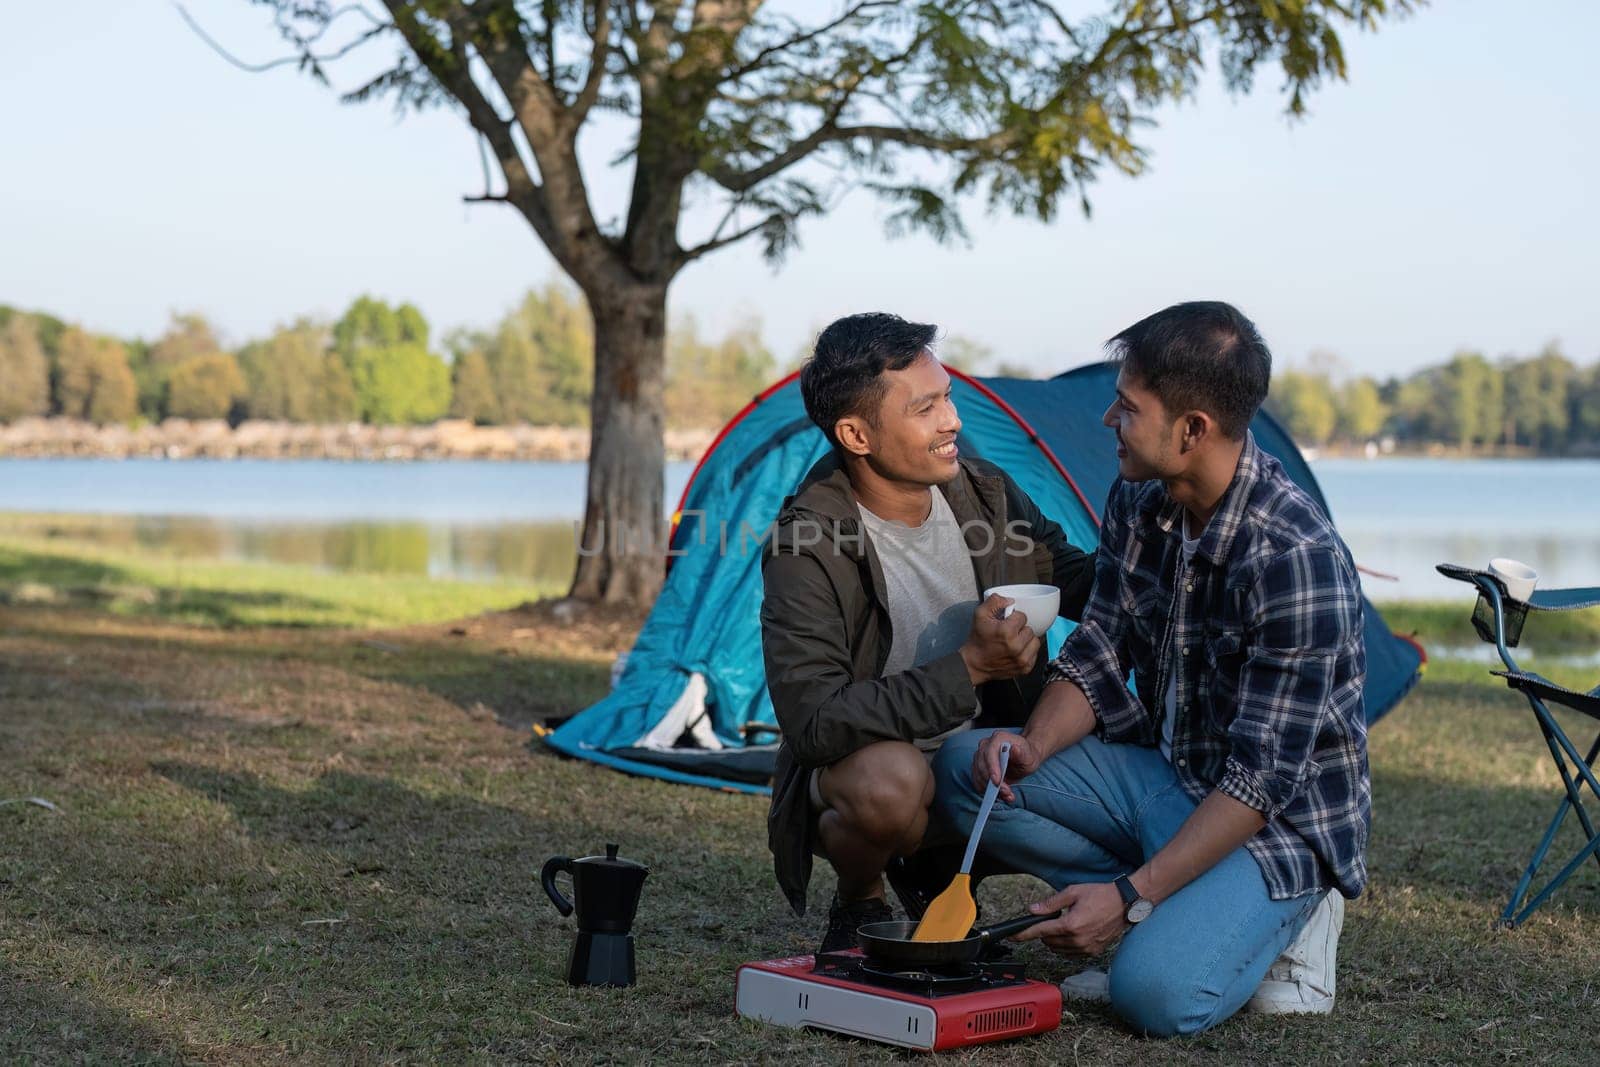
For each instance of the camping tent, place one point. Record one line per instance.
(691, 704)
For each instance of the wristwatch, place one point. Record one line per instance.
(1139, 908)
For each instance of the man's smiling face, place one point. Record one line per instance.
(1147, 437)
(915, 437)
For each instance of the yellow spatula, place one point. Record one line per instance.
(951, 915)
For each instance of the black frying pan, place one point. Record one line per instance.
(890, 944)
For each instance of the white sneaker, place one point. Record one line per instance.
(1092, 985)
(1302, 979)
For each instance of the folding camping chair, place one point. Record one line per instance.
(1499, 618)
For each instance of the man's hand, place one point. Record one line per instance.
(1093, 920)
(1025, 759)
(999, 647)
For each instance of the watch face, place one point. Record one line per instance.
(1140, 910)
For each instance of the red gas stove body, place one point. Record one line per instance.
(835, 995)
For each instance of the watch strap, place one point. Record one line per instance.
(1125, 888)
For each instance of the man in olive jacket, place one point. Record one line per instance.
(876, 644)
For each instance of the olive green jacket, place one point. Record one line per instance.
(825, 634)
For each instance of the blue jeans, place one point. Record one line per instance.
(1094, 811)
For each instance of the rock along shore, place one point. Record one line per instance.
(257, 439)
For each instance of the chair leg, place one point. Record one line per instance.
(1591, 849)
(1594, 750)
(1561, 750)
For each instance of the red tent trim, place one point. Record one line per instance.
(985, 391)
(1033, 435)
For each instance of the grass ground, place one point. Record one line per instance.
(38, 568)
(319, 843)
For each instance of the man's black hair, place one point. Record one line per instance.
(1203, 355)
(843, 375)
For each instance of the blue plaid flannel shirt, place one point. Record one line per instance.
(1265, 634)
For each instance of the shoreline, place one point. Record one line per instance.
(448, 439)
(459, 439)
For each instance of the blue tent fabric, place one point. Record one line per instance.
(704, 629)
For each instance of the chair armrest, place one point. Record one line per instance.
(1512, 612)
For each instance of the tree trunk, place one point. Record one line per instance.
(621, 549)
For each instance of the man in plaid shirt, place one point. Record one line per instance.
(1215, 816)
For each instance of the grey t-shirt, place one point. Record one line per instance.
(932, 590)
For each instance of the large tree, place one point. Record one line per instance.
(773, 111)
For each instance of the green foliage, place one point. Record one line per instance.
(336, 392)
(24, 370)
(394, 377)
(402, 383)
(472, 393)
(708, 382)
(784, 108)
(1304, 403)
(1584, 405)
(1543, 402)
(205, 387)
(556, 323)
(187, 337)
(372, 323)
(283, 374)
(1538, 411)
(1362, 411)
(49, 327)
(1471, 394)
(540, 359)
(93, 380)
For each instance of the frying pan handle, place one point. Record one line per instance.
(1000, 931)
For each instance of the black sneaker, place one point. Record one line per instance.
(918, 878)
(844, 919)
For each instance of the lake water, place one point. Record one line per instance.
(518, 520)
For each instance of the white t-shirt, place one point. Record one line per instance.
(1189, 545)
(932, 590)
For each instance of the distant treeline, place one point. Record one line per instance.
(376, 364)
(1542, 403)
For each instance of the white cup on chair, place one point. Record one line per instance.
(1518, 578)
(1039, 603)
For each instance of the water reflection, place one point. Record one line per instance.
(535, 552)
(1562, 559)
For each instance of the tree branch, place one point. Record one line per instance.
(305, 58)
(689, 255)
(451, 67)
(756, 61)
(601, 39)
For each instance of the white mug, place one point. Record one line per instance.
(1039, 603)
(1518, 578)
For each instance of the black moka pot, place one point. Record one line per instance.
(605, 894)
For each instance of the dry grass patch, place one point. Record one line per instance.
(284, 845)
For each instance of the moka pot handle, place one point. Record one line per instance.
(547, 877)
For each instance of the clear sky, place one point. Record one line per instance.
(1443, 197)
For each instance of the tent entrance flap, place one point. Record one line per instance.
(688, 715)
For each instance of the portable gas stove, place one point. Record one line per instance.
(929, 1010)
